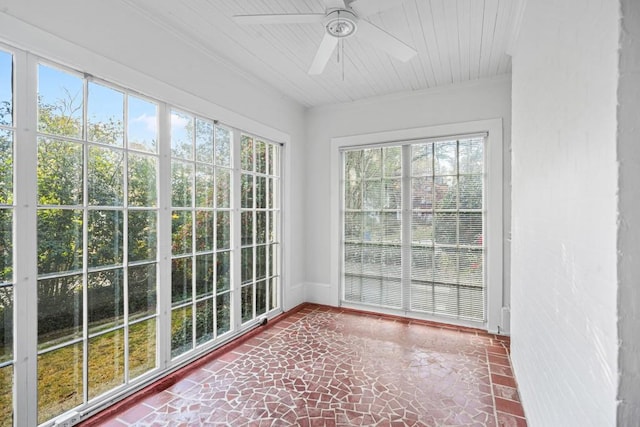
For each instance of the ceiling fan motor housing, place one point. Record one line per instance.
(341, 23)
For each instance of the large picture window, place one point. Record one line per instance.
(201, 231)
(97, 228)
(413, 227)
(145, 236)
(260, 213)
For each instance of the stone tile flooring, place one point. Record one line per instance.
(324, 366)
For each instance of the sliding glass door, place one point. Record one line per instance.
(413, 227)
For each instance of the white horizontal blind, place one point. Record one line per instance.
(372, 226)
(447, 255)
(445, 272)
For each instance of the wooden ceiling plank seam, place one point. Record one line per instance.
(430, 40)
(475, 37)
(375, 67)
(452, 34)
(358, 50)
(514, 21)
(383, 77)
(397, 66)
(390, 22)
(509, 22)
(423, 39)
(410, 12)
(481, 38)
(438, 20)
(161, 22)
(358, 69)
(413, 67)
(433, 36)
(463, 38)
(417, 65)
(490, 16)
(499, 43)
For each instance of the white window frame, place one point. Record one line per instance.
(26, 60)
(493, 206)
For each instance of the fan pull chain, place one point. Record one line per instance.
(339, 41)
(342, 49)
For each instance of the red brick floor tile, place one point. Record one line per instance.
(498, 359)
(509, 407)
(501, 370)
(503, 380)
(508, 420)
(334, 367)
(506, 392)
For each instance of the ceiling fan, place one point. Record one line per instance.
(341, 19)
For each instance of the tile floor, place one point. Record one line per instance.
(324, 366)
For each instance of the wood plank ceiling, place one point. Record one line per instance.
(456, 40)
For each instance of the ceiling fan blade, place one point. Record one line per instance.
(291, 18)
(327, 46)
(382, 40)
(334, 4)
(371, 7)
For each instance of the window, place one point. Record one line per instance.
(130, 217)
(260, 211)
(201, 231)
(417, 223)
(7, 132)
(373, 226)
(446, 233)
(97, 255)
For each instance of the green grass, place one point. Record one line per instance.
(6, 396)
(60, 371)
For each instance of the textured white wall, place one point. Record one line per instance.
(629, 206)
(454, 104)
(139, 54)
(564, 174)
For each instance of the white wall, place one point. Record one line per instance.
(471, 101)
(629, 206)
(124, 48)
(564, 174)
